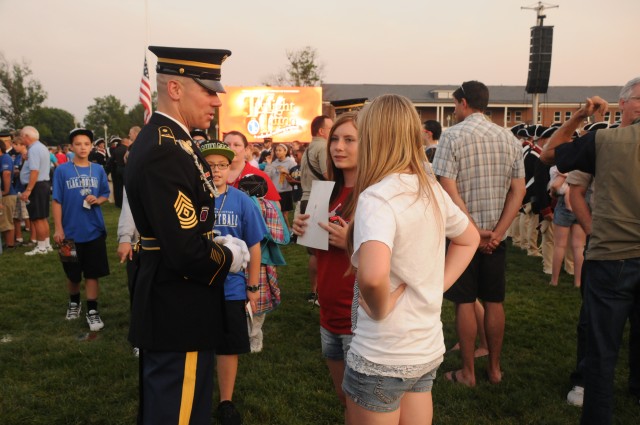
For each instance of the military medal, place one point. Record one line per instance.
(204, 213)
(187, 147)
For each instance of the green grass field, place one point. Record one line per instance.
(53, 372)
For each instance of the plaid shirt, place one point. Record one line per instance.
(482, 158)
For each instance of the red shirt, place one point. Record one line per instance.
(62, 158)
(335, 290)
(272, 192)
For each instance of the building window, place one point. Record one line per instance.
(567, 115)
(518, 116)
(508, 116)
(617, 116)
(607, 116)
(539, 116)
(556, 116)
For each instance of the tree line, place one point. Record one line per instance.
(21, 103)
(22, 97)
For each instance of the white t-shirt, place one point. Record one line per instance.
(389, 212)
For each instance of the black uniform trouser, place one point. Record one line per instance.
(176, 388)
(118, 183)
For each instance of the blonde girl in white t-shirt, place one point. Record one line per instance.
(401, 221)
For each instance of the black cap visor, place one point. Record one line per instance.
(211, 85)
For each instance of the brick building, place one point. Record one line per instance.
(508, 105)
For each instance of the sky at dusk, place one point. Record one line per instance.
(83, 49)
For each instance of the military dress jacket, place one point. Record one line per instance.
(178, 292)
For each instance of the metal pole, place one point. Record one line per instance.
(534, 119)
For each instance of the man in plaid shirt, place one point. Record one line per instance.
(480, 166)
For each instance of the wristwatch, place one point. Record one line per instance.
(253, 288)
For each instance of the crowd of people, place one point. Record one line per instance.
(201, 221)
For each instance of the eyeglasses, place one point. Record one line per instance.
(219, 166)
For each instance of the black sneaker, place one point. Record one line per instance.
(227, 414)
(312, 297)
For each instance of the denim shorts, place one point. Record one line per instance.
(334, 346)
(383, 393)
(562, 216)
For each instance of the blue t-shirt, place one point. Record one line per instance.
(17, 166)
(6, 164)
(238, 216)
(38, 159)
(70, 187)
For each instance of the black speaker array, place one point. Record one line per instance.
(540, 59)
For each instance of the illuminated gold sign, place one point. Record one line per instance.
(282, 113)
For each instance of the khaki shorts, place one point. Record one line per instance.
(6, 218)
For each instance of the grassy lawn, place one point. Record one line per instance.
(53, 372)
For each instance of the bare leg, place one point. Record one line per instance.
(560, 236)
(578, 240)
(17, 228)
(42, 229)
(467, 330)
(91, 289)
(336, 370)
(313, 272)
(227, 369)
(416, 408)
(483, 347)
(73, 288)
(359, 415)
(494, 320)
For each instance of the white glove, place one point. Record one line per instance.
(239, 250)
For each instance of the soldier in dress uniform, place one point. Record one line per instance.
(178, 295)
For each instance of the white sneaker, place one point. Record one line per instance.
(136, 351)
(94, 321)
(49, 248)
(575, 396)
(36, 251)
(73, 311)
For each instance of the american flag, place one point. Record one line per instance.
(145, 92)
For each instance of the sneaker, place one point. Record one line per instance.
(136, 351)
(575, 396)
(94, 321)
(228, 414)
(73, 311)
(36, 251)
(312, 297)
(49, 248)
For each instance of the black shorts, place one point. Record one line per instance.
(92, 261)
(38, 206)
(236, 333)
(286, 201)
(484, 278)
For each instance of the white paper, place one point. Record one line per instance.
(249, 310)
(318, 209)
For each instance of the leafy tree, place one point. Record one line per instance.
(110, 111)
(136, 114)
(20, 93)
(303, 70)
(53, 124)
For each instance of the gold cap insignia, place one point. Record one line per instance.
(185, 211)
